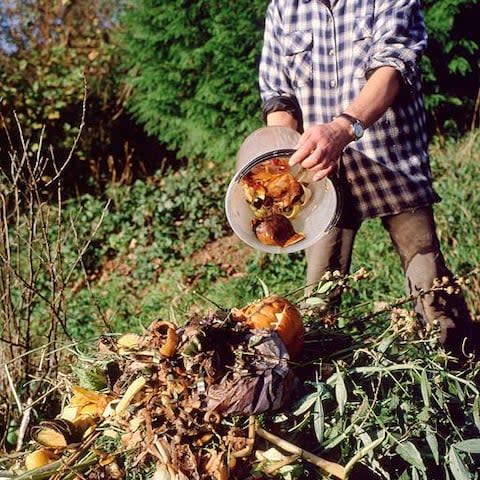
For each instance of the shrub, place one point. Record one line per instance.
(48, 50)
(450, 66)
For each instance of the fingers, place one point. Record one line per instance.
(311, 158)
(318, 158)
(317, 150)
(304, 149)
(322, 173)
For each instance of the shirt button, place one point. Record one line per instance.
(333, 83)
(331, 52)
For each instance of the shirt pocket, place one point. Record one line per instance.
(362, 40)
(298, 53)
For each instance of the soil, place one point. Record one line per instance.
(229, 253)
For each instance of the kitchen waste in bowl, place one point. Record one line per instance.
(315, 217)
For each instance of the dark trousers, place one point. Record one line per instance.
(414, 237)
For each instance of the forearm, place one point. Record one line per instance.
(320, 146)
(374, 99)
(283, 119)
(377, 95)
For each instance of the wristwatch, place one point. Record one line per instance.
(357, 126)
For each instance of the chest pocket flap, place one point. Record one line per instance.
(298, 41)
(362, 28)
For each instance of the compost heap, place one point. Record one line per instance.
(174, 400)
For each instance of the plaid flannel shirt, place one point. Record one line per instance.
(317, 55)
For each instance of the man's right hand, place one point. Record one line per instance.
(320, 147)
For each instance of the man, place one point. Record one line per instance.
(345, 73)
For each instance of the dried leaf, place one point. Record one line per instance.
(128, 342)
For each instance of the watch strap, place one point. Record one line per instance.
(351, 118)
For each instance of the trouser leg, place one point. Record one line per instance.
(332, 252)
(414, 237)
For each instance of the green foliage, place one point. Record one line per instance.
(193, 72)
(451, 67)
(458, 214)
(171, 215)
(392, 404)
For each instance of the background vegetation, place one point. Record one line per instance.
(120, 122)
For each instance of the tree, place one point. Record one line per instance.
(193, 72)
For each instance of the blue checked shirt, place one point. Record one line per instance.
(317, 55)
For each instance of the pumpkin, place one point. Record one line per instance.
(277, 314)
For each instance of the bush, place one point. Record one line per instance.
(450, 66)
(43, 75)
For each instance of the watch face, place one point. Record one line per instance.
(357, 130)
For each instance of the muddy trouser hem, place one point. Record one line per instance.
(414, 237)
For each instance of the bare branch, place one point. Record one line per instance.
(77, 137)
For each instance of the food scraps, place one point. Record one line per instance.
(276, 230)
(275, 197)
(176, 400)
(278, 314)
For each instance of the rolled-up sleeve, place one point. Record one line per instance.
(399, 39)
(276, 90)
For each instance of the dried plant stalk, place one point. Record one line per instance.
(325, 466)
(34, 275)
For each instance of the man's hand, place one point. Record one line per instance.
(321, 146)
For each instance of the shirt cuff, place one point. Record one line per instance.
(407, 70)
(282, 103)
